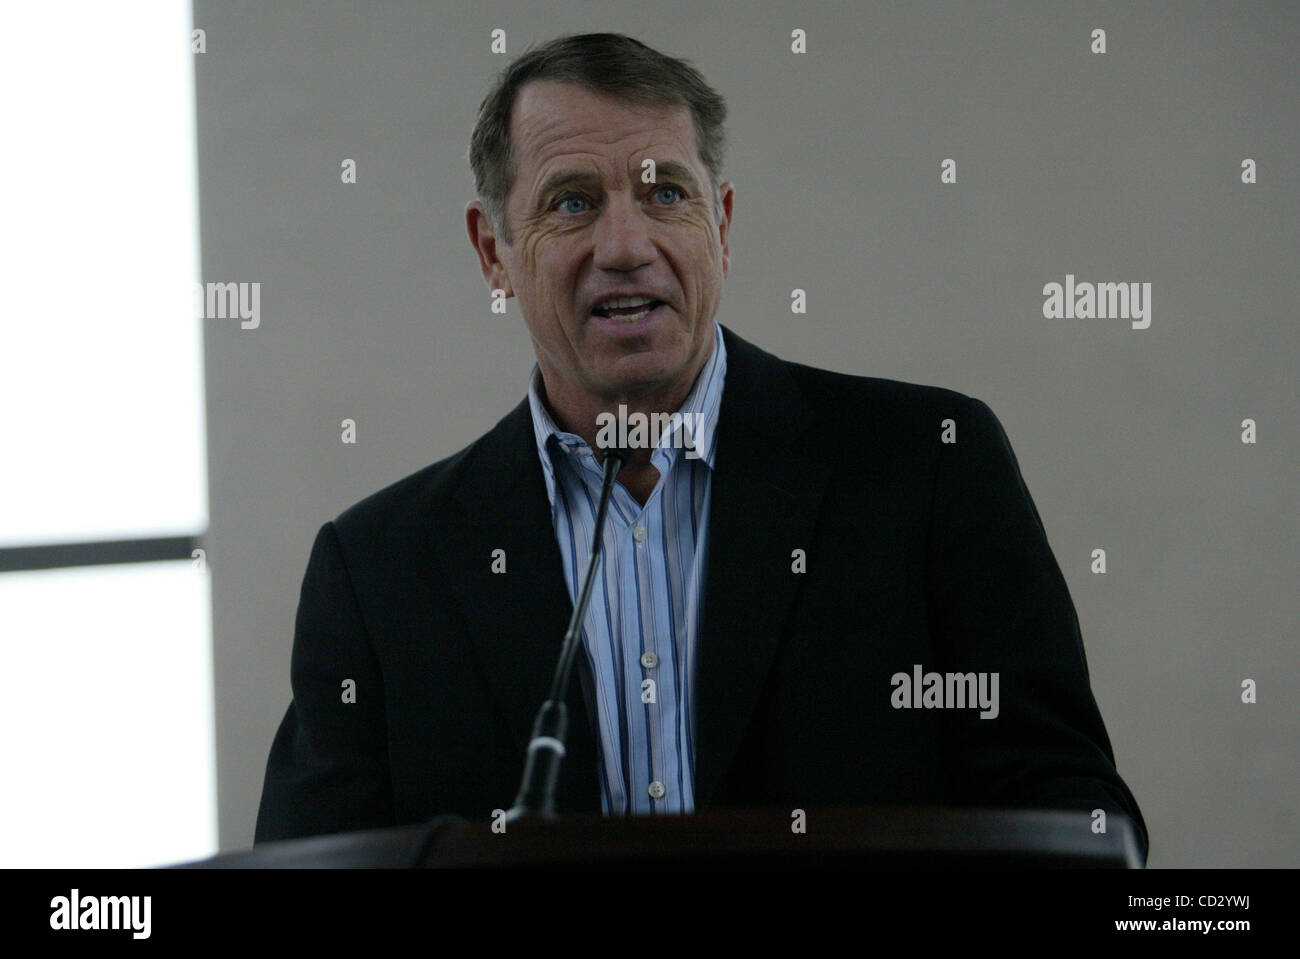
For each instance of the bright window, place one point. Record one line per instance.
(107, 748)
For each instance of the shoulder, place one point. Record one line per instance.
(848, 416)
(884, 409)
(412, 508)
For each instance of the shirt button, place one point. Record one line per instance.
(639, 534)
(649, 660)
(656, 790)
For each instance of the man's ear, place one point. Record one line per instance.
(728, 194)
(484, 241)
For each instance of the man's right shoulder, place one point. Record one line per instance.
(438, 491)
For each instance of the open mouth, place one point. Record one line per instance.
(627, 314)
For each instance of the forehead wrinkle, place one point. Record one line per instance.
(546, 134)
(574, 169)
(543, 140)
(544, 137)
(668, 159)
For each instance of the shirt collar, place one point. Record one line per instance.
(702, 403)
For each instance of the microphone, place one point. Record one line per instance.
(536, 797)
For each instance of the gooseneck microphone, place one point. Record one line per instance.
(536, 797)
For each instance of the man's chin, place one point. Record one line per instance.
(641, 366)
(638, 373)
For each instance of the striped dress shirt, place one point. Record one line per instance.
(641, 626)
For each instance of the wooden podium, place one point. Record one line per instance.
(863, 836)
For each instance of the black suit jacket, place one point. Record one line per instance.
(917, 552)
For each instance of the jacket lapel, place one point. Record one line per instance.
(767, 490)
(516, 619)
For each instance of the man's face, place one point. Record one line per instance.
(585, 227)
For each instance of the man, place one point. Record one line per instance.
(792, 555)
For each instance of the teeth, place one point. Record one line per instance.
(621, 302)
(631, 318)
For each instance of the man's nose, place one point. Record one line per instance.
(622, 237)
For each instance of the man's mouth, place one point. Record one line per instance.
(627, 309)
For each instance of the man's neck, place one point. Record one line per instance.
(578, 414)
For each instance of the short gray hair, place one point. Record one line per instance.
(608, 63)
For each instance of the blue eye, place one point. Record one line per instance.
(560, 204)
(570, 198)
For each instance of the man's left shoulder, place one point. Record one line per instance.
(878, 405)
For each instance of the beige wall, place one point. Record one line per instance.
(1121, 167)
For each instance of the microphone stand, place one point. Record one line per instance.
(536, 797)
